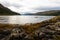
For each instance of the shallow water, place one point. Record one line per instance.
(23, 19)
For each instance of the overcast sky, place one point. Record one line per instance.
(31, 6)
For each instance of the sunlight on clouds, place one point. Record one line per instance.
(13, 8)
(28, 6)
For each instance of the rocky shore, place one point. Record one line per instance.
(46, 30)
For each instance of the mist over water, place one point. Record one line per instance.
(23, 19)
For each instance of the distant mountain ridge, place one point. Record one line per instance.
(51, 12)
(6, 11)
(48, 13)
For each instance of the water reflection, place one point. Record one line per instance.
(23, 19)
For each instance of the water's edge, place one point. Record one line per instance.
(23, 19)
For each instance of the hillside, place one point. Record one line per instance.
(46, 13)
(51, 12)
(6, 11)
(45, 30)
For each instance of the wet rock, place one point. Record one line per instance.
(4, 33)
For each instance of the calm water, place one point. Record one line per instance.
(23, 19)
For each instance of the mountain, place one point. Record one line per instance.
(6, 11)
(45, 30)
(49, 13)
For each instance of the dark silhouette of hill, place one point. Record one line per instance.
(6, 11)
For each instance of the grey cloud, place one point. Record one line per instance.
(48, 8)
(16, 5)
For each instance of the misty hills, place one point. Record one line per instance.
(6, 11)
